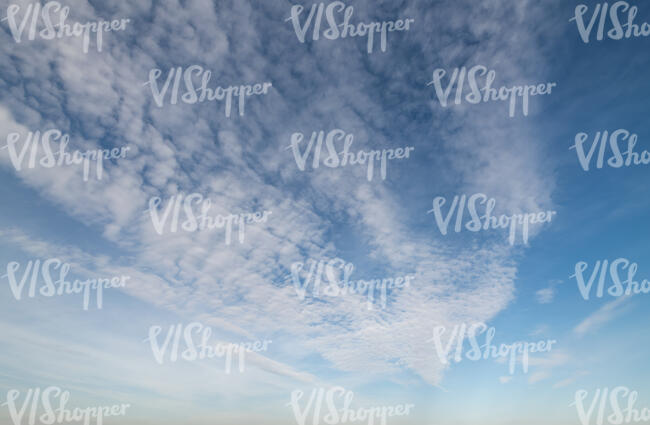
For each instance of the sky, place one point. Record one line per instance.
(244, 163)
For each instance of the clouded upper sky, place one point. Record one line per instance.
(242, 284)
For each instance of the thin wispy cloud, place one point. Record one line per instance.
(608, 312)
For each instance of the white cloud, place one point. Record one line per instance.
(570, 380)
(539, 376)
(545, 295)
(604, 314)
(240, 163)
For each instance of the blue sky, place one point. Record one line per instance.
(244, 291)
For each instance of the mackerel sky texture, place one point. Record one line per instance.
(245, 292)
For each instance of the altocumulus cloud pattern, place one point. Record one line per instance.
(392, 212)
